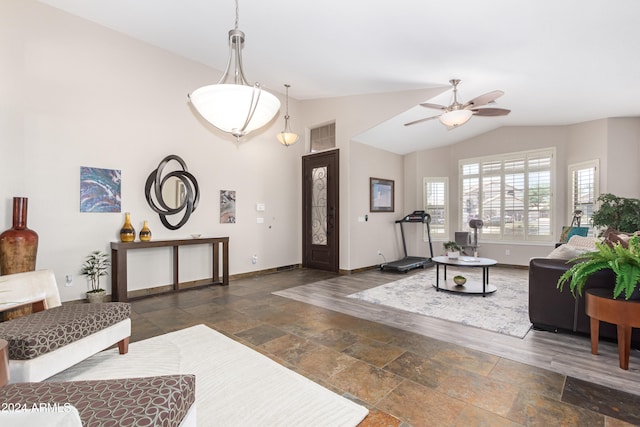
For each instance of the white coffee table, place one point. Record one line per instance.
(470, 287)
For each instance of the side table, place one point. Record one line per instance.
(625, 314)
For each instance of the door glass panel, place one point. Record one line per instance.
(319, 206)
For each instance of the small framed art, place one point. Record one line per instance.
(381, 194)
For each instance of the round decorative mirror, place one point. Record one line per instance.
(172, 192)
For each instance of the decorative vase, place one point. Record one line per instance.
(460, 280)
(18, 245)
(145, 233)
(127, 232)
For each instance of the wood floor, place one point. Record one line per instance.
(558, 352)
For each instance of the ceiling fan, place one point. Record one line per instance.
(458, 114)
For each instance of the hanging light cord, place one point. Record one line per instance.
(237, 14)
(286, 116)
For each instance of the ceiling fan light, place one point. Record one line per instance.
(455, 118)
(227, 107)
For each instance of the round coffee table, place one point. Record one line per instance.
(470, 287)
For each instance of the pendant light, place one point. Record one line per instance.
(286, 137)
(238, 107)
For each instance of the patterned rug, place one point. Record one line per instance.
(235, 385)
(505, 311)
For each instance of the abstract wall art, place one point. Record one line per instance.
(99, 190)
(227, 207)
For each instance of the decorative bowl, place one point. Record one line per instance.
(196, 236)
(460, 280)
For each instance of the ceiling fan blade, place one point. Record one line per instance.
(490, 112)
(421, 120)
(436, 106)
(484, 99)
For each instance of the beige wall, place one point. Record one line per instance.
(76, 94)
(354, 115)
(615, 142)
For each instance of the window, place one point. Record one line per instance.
(323, 137)
(511, 193)
(583, 191)
(436, 196)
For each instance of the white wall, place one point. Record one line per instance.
(353, 115)
(615, 142)
(76, 94)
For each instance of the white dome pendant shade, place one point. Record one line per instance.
(228, 106)
(455, 118)
(238, 107)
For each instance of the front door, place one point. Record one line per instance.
(320, 214)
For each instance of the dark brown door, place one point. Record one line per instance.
(320, 212)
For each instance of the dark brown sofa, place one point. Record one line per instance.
(553, 310)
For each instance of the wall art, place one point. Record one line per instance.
(99, 189)
(227, 206)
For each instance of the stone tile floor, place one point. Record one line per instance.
(405, 379)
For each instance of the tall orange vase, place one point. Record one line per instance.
(19, 244)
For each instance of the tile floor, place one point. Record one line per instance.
(405, 379)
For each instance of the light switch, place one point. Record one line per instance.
(260, 220)
(260, 207)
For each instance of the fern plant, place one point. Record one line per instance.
(625, 263)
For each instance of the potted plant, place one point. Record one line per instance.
(620, 213)
(624, 261)
(94, 267)
(453, 249)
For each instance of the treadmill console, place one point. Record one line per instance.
(416, 216)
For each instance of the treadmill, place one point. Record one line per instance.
(410, 262)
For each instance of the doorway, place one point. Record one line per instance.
(320, 211)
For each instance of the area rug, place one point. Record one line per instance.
(505, 311)
(235, 385)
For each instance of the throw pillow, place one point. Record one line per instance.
(587, 243)
(566, 252)
(612, 236)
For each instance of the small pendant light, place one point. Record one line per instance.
(286, 137)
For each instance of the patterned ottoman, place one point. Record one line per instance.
(45, 343)
(167, 400)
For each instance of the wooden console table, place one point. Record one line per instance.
(625, 314)
(119, 262)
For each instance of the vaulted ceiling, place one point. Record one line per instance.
(559, 62)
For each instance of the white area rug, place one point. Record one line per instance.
(505, 311)
(235, 385)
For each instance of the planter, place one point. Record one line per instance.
(97, 297)
(453, 255)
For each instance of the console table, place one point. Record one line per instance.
(119, 262)
(625, 314)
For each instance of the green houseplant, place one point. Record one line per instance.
(624, 261)
(453, 249)
(620, 213)
(95, 266)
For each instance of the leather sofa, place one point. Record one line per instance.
(558, 311)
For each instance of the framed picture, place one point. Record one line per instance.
(99, 189)
(381, 195)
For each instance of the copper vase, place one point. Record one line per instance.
(18, 245)
(18, 250)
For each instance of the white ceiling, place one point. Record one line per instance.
(559, 62)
